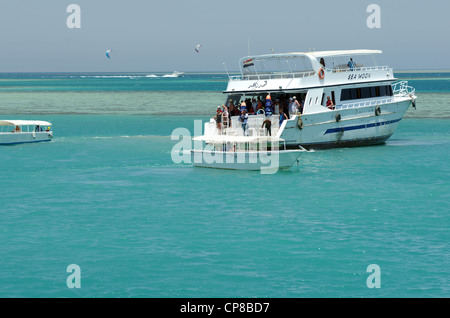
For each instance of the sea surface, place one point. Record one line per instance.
(105, 195)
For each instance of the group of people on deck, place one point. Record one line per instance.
(283, 107)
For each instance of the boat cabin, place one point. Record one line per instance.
(24, 131)
(24, 126)
(345, 76)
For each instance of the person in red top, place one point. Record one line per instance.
(330, 104)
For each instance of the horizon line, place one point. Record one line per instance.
(199, 72)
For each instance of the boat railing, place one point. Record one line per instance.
(286, 75)
(366, 103)
(403, 89)
(254, 127)
(273, 75)
(361, 68)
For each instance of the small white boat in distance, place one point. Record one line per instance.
(244, 153)
(24, 131)
(174, 74)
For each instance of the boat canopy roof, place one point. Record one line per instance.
(343, 53)
(237, 139)
(24, 122)
(314, 54)
(302, 61)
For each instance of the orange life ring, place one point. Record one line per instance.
(321, 73)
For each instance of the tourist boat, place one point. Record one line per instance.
(243, 153)
(24, 131)
(368, 102)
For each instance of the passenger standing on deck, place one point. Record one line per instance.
(322, 61)
(330, 104)
(260, 107)
(254, 104)
(231, 107)
(219, 119)
(268, 125)
(291, 101)
(285, 108)
(295, 105)
(230, 112)
(244, 119)
(225, 116)
(248, 103)
(350, 64)
(259, 100)
(282, 117)
(277, 106)
(237, 110)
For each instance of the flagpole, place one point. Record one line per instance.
(226, 69)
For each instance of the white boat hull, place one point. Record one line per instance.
(356, 127)
(25, 137)
(248, 160)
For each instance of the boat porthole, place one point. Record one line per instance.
(377, 111)
(338, 117)
(300, 123)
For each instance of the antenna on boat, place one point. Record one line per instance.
(224, 65)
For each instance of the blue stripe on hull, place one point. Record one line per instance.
(23, 142)
(347, 143)
(341, 129)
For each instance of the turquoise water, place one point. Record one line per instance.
(105, 195)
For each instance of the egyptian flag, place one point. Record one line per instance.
(248, 63)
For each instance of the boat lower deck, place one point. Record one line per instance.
(246, 160)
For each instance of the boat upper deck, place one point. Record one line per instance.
(290, 71)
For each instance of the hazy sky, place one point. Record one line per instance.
(151, 35)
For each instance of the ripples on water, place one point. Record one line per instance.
(104, 194)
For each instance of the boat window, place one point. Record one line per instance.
(390, 92)
(366, 92)
(332, 98)
(346, 94)
(323, 97)
(276, 64)
(339, 63)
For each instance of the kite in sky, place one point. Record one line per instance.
(108, 53)
(197, 47)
